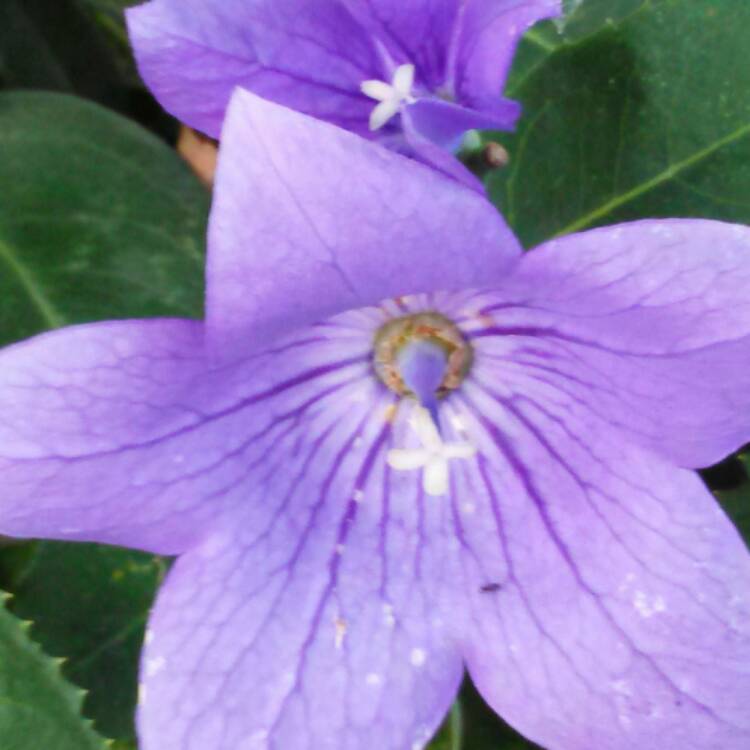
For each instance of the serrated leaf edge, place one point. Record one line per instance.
(74, 694)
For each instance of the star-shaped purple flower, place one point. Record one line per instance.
(491, 472)
(416, 75)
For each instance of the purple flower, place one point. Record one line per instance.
(490, 473)
(439, 64)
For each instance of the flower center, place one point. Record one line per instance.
(424, 356)
(391, 96)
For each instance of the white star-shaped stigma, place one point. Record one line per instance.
(433, 456)
(390, 95)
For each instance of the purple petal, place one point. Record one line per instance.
(97, 432)
(444, 123)
(285, 642)
(310, 220)
(490, 31)
(420, 32)
(126, 433)
(309, 56)
(463, 48)
(311, 615)
(606, 593)
(647, 324)
(437, 157)
(433, 130)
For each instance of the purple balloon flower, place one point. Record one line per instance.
(415, 75)
(490, 473)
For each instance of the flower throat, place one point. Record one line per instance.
(422, 355)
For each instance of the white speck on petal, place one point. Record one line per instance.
(390, 96)
(661, 230)
(155, 665)
(418, 657)
(358, 496)
(458, 423)
(432, 457)
(373, 679)
(149, 637)
(623, 687)
(646, 606)
(256, 741)
(141, 693)
(421, 738)
(340, 632)
(388, 616)
(121, 346)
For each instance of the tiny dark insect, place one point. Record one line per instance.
(488, 588)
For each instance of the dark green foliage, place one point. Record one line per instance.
(38, 709)
(628, 115)
(101, 219)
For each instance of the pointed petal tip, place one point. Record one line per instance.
(293, 187)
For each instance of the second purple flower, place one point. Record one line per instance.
(414, 75)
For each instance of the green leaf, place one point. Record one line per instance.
(581, 18)
(38, 709)
(25, 54)
(450, 736)
(99, 219)
(483, 729)
(36, 50)
(89, 604)
(110, 16)
(113, 10)
(639, 109)
(473, 725)
(736, 502)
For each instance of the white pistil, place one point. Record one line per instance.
(433, 456)
(390, 95)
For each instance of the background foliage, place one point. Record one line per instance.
(632, 108)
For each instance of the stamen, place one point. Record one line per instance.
(432, 457)
(424, 357)
(392, 96)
